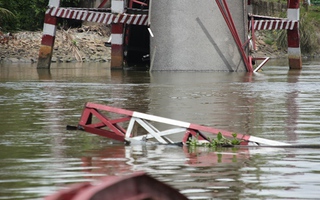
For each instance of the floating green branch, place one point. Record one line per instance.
(220, 141)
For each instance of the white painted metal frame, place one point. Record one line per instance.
(262, 64)
(153, 132)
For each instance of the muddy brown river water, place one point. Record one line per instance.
(38, 156)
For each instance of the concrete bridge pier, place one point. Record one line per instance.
(194, 36)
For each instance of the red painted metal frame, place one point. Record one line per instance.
(139, 2)
(111, 128)
(253, 34)
(103, 3)
(224, 9)
(115, 131)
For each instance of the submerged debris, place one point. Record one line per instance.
(220, 141)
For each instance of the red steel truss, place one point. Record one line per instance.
(95, 119)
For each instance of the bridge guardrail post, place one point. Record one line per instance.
(117, 6)
(48, 37)
(294, 52)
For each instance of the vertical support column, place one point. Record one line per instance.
(117, 6)
(294, 52)
(48, 37)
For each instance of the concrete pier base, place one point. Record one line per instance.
(193, 35)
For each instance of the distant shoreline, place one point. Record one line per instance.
(85, 44)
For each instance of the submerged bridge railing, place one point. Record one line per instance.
(121, 125)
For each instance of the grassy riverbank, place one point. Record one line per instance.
(274, 43)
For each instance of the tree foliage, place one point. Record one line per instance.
(29, 15)
(5, 14)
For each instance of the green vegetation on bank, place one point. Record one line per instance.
(28, 15)
(5, 14)
(309, 30)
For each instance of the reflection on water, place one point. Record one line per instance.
(38, 156)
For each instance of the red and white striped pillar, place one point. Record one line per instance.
(117, 6)
(294, 52)
(48, 37)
